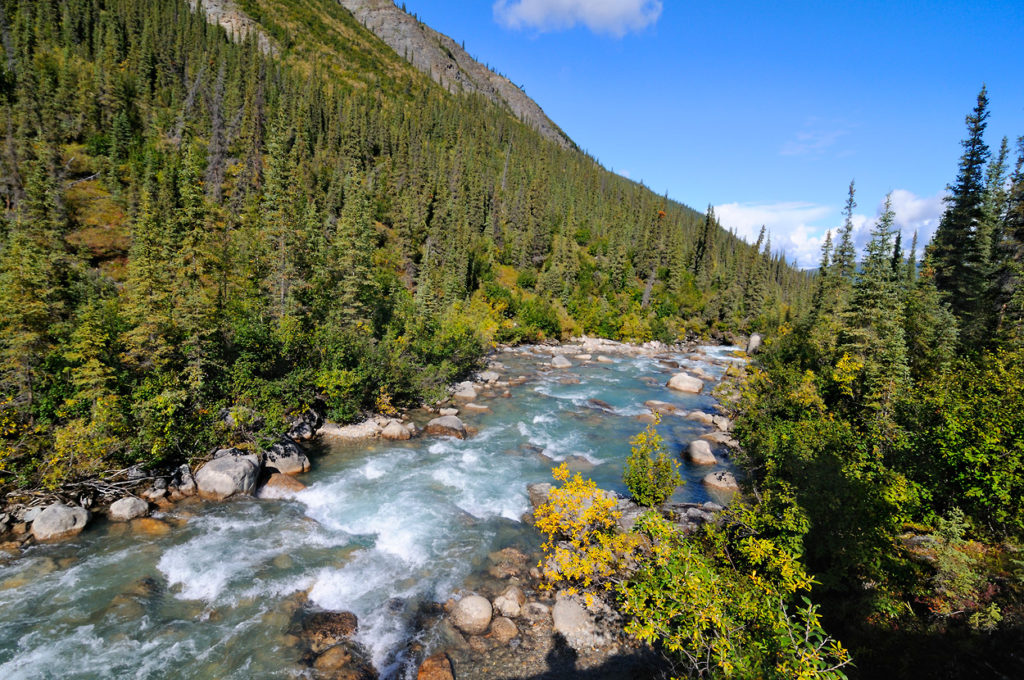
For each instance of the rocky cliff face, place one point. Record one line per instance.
(447, 63)
(237, 24)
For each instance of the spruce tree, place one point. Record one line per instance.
(957, 250)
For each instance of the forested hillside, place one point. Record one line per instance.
(190, 224)
(884, 433)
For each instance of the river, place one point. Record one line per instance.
(381, 528)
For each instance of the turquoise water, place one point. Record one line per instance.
(381, 528)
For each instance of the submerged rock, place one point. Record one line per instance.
(472, 614)
(127, 509)
(233, 472)
(449, 411)
(346, 660)
(279, 486)
(701, 417)
(684, 382)
(59, 521)
(436, 667)
(447, 426)
(660, 407)
(503, 630)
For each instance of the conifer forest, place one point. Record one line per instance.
(296, 219)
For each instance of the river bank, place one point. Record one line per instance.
(382, 511)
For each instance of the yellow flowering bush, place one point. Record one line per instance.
(583, 551)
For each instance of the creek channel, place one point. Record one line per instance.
(381, 528)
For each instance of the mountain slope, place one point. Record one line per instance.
(447, 63)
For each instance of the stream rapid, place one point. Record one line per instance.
(381, 528)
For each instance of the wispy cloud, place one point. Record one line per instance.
(794, 231)
(815, 138)
(613, 17)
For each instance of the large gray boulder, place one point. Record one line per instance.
(684, 382)
(754, 343)
(395, 430)
(700, 453)
(127, 509)
(59, 521)
(231, 473)
(576, 624)
(286, 457)
(472, 614)
(538, 493)
(447, 426)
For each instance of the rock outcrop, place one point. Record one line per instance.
(447, 63)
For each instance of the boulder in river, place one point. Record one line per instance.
(232, 472)
(561, 362)
(490, 376)
(186, 481)
(701, 417)
(127, 509)
(722, 423)
(301, 431)
(684, 382)
(472, 614)
(605, 360)
(721, 480)
(477, 408)
(436, 667)
(449, 411)
(699, 452)
(660, 407)
(286, 457)
(447, 426)
(503, 630)
(59, 521)
(721, 438)
(538, 493)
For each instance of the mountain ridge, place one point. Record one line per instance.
(448, 64)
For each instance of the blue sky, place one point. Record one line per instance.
(765, 110)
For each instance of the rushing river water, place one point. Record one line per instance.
(382, 527)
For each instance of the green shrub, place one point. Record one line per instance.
(650, 474)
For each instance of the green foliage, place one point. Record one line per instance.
(650, 475)
(719, 604)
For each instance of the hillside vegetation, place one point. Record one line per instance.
(189, 224)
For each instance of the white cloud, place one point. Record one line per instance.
(794, 232)
(615, 17)
(788, 223)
